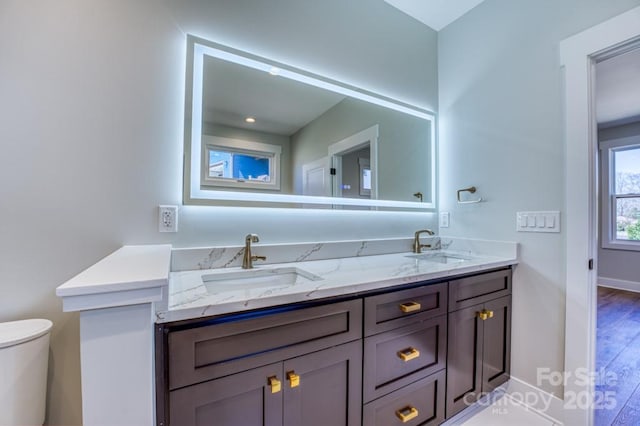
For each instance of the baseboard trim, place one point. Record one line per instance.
(545, 404)
(478, 406)
(520, 392)
(619, 284)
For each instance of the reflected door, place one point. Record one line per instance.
(316, 178)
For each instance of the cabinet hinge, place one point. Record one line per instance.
(332, 171)
(591, 264)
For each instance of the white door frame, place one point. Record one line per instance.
(577, 55)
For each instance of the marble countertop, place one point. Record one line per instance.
(131, 275)
(129, 268)
(141, 274)
(190, 297)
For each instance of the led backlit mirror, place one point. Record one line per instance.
(258, 132)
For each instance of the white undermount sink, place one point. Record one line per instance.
(439, 257)
(255, 278)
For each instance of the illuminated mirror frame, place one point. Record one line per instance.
(194, 193)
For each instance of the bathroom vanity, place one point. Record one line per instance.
(339, 333)
(373, 358)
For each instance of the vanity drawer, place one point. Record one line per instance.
(208, 352)
(399, 308)
(469, 291)
(399, 357)
(422, 402)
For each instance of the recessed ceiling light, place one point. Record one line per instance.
(250, 120)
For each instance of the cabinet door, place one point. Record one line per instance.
(240, 399)
(464, 359)
(496, 360)
(324, 388)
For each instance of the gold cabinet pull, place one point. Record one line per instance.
(275, 384)
(294, 379)
(408, 354)
(485, 314)
(407, 413)
(410, 307)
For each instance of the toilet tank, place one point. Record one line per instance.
(24, 356)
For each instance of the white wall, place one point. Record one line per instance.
(91, 108)
(501, 129)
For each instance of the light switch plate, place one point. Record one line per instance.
(543, 221)
(444, 219)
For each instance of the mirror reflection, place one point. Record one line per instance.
(262, 131)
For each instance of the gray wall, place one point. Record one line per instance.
(403, 146)
(501, 129)
(91, 134)
(621, 265)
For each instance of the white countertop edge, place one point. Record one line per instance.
(112, 299)
(111, 287)
(128, 268)
(305, 296)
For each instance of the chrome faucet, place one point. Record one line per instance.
(417, 247)
(248, 258)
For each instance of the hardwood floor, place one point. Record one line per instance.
(618, 358)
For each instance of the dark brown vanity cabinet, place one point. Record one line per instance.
(317, 389)
(479, 337)
(412, 356)
(292, 368)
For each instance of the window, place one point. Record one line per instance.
(365, 176)
(621, 194)
(240, 164)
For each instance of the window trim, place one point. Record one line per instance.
(608, 225)
(272, 152)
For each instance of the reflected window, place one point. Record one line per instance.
(241, 164)
(365, 176)
(238, 166)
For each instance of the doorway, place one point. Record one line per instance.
(354, 162)
(578, 56)
(617, 113)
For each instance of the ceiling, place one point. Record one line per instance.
(618, 89)
(280, 106)
(437, 14)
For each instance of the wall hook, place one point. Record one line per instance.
(418, 195)
(472, 190)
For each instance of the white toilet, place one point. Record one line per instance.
(24, 358)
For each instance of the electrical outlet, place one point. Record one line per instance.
(168, 218)
(444, 219)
